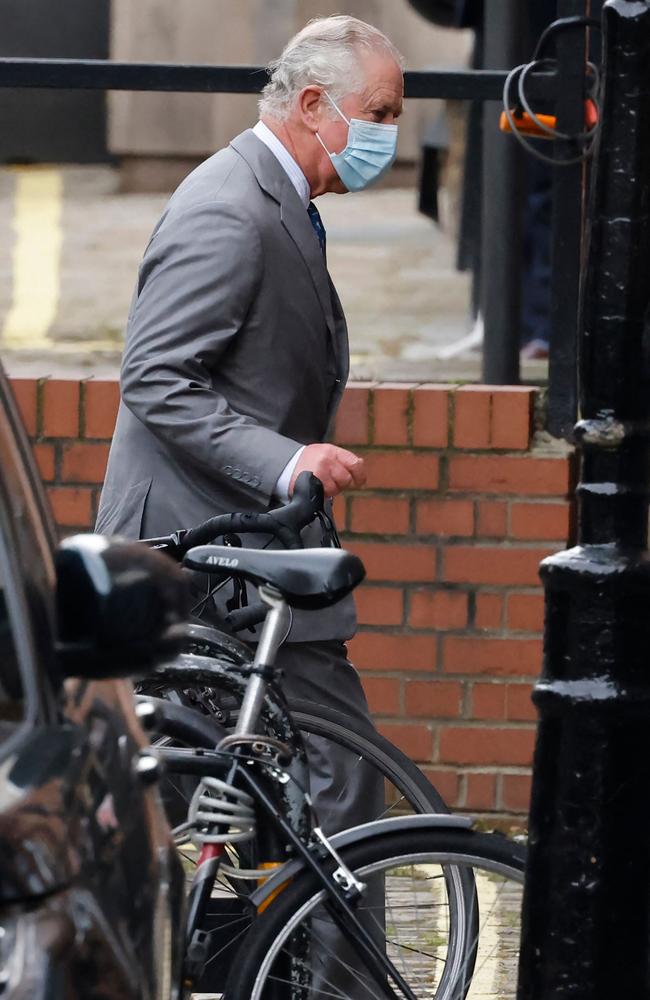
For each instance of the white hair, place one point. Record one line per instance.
(324, 53)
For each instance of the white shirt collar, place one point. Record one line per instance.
(286, 160)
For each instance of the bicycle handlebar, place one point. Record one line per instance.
(284, 523)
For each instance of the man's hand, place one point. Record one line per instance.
(336, 468)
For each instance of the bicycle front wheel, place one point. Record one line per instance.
(441, 955)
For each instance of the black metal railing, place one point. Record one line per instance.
(501, 228)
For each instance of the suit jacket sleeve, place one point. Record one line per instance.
(197, 282)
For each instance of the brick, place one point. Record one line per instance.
(489, 745)
(501, 657)
(445, 517)
(391, 404)
(431, 416)
(489, 611)
(380, 605)
(519, 705)
(383, 694)
(25, 392)
(401, 470)
(445, 783)
(433, 699)
(515, 792)
(391, 651)
(472, 417)
(339, 511)
(526, 612)
(101, 402)
(481, 791)
(61, 408)
(506, 474)
(488, 701)
(400, 563)
(414, 740)
(540, 521)
(438, 609)
(491, 519)
(71, 507)
(45, 460)
(491, 565)
(512, 410)
(84, 463)
(380, 515)
(352, 424)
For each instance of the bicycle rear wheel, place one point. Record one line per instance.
(443, 954)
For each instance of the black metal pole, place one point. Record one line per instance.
(501, 207)
(567, 228)
(100, 74)
(586, 920)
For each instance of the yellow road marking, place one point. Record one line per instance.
(36, 265)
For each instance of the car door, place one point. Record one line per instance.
(90, 886)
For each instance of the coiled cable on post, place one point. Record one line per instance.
(216, 804)
(578, 146)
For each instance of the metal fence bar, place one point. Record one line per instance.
(501, 208)
(96, 74)
(567, 231)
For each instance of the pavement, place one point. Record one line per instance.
(72, 244)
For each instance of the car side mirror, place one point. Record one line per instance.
(121, 607)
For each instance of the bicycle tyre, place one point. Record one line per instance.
(489, 855)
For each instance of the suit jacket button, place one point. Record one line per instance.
(228, 469)
(236, 473)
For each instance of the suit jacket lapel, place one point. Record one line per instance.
(295, 219)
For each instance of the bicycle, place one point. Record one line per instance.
(257, 780)
(211, 678)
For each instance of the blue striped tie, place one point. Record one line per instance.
(319, 228)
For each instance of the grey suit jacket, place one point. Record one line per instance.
(236, 354)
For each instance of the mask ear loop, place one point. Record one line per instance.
(338, 110)
(323, 144)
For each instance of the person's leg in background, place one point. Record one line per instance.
(536, 276)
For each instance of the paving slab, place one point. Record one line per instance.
(394, 270)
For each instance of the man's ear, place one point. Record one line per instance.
(311, 107)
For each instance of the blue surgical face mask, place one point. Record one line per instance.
(369, 154)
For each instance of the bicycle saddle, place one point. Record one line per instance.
(307, 578)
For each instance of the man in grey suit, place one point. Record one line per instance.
(236, 351)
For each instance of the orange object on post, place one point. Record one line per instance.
(527, 126)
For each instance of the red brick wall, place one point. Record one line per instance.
(462, 502)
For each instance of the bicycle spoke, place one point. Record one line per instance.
(230, 942)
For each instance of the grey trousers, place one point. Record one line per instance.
(345, 793)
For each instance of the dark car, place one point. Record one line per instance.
(90, 884)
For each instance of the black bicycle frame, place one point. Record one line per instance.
(287, 809)
(338, 903)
